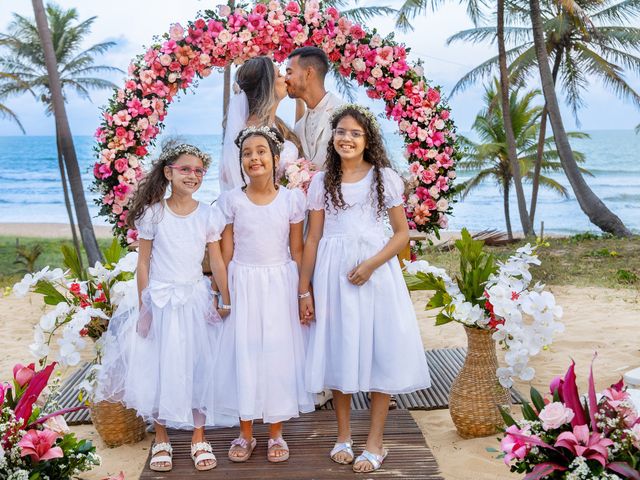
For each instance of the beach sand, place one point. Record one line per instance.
(602, 320)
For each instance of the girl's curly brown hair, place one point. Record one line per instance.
(374, 153)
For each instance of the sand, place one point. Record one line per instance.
(602, 320)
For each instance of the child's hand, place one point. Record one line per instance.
(306, 310)
(144, 320)
(359, 275)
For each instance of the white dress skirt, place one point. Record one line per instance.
(261, 364)
(159, 359)
(364, 338)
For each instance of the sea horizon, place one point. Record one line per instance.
(31, 192)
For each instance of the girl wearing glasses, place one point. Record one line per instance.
(161, 365)
(365, 336)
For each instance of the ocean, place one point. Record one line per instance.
(30, 190)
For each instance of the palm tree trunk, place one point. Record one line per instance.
(508, 126)
(66, 139)
(226, 87)
(589, 202)
(541, 138)
(507, 216)
(67, 200)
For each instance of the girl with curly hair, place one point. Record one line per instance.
(365, 336)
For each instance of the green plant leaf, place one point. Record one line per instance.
(537, 399)
(51, 295)
(528, 412)
(506, 416)
(114, 252)
(72, 262)
(442, 319)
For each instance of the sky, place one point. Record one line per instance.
(132, 24)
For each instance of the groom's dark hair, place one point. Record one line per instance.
(312, 57)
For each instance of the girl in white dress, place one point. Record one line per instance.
(261, 363)
(158, 356)
(365, 336)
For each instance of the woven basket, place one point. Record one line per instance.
(116, 424)
(476, 392)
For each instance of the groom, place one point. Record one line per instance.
(306, 70)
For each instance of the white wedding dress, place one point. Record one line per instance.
(229, 165)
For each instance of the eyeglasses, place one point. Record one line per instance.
(355, 134)
(184, 170)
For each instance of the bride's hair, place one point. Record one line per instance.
(257, 78)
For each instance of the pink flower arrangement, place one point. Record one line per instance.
(35, 441)
(298, 174)
(567, 437)
(133, 118)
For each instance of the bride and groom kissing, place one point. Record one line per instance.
(259, 89)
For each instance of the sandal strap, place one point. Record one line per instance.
(160, 459)
(374, 459)
(342, 447)
(277, 442)
(196, 447)
(240, 442)
(161, 447)
(204, 456)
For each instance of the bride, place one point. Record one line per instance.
(259, 88)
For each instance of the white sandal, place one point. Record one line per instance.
(155, 460)
(339, 447)
(374, 459)
(206, 454)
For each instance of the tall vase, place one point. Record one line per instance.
(476, 392)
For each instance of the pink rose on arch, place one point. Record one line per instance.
(428, 176)
(443, 221)
(38, 444)
(433, 96)
(176, 32)
(116, 208)
(422, 193)
(121, 165)
(442, 184)
(102, 171)
(292, 8)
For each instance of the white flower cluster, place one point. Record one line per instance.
(461, 310)
(580, 470)
(67, 320)
(531, 316)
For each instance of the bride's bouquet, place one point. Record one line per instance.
(298, 174)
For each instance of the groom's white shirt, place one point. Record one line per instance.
(314, 129)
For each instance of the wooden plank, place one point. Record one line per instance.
(310, 438)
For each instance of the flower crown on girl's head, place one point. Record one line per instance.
(363, 110)
(182, 149)
(264, 130)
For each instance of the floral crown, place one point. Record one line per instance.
(182, 149)
(264, 130)
(363, 110)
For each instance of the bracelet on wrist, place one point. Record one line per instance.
(222, 306)
(304, 295)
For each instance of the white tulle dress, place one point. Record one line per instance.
(261, 364)
(166, 372)
(364, 338)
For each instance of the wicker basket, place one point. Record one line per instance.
(116, 424)
(476, 392)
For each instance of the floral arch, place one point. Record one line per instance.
(134, 115)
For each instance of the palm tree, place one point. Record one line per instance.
(579, 41)
(489, 157)
(28, 60)
(6, 112)
(591, 205)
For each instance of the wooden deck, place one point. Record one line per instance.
(310, 438)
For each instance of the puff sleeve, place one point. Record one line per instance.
(147, 224)
(297, 205)
(393, 188)
(315, 195)
(216, 222)
(225, 206)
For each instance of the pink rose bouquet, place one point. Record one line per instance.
(298, 174)
(565, 436)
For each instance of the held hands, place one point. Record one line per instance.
(305, 306)
(361, 274)
(217, 305)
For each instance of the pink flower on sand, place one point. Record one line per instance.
(555, 415)
(583, 444)
(514, 447)
(120, 476)
(38, 444)
(23, 374)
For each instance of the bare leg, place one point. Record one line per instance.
(197, 437)
(342, 405)
(379, 410)
(161, 437)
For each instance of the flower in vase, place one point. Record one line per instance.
(554, 415)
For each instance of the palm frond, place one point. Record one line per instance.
(6, 112)
(622, 12)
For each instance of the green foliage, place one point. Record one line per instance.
(27, 256)
(51, 295)
(626, 276)
(114, 252)
(476, 266)
(72, 262)
(537, 399)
